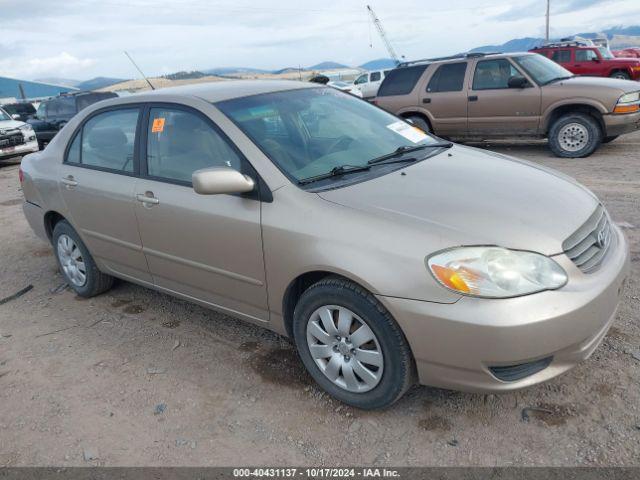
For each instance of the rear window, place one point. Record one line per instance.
(401, 81)
(448, 78)
(19, 108)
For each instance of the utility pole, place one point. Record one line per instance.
(546, 38)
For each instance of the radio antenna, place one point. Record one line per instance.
(138, 68)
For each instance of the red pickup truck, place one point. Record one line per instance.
(590, 60)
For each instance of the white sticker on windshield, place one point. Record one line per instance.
(409, 132)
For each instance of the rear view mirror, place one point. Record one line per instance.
(217, 180)
(517, 81)
(15, 116)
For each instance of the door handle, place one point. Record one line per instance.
(473, 98)
(426, 100)
(147, 198)
(69, 181)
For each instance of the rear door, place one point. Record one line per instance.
(97, 184)
(562, 56)
(203, 247)
(445, 97)
(494, 109)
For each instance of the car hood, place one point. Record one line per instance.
(10, 124)
(468, 196)
(624, 86)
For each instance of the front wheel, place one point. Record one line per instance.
(620, 75)
(351, 345)
(76, 263)
(575, 135)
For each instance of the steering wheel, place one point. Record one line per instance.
(340, 143)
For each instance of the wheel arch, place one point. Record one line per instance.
(51, 218)
(417, 113)
(594, 110)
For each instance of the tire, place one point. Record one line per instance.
(395, 374)
(620, 75)
(609, 139)
(94, 282)
(575, 135)
(420, 122)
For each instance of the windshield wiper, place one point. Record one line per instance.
(406, 149)
(335, 172)
(557, 79)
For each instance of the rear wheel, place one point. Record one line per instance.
(575, 135)
(76, 263)
(609, 139)
(420, 122)
(351, 345)
(621, 75)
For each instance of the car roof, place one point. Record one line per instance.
(463, 57)
(228, 89)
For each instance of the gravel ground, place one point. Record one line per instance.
(135, 377)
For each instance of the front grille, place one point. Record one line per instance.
(511, 373)
(588, 245)
(11, 139)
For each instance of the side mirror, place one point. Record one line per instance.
(15, 116)
(217, 180)
(517, 81)
(595, 59)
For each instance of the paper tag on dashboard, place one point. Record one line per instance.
(409, 132)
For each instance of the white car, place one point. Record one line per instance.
(16, 137)
(346, 87)
(369, 82)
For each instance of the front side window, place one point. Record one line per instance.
(4, 116)
(561, 56)
(493, 74)
(541, 69)
(361, 79)
(108, 140)
(180, 142)
(375, 76)
(606, 53)
(41, 112)
(319, 129)
(449, 77)
(586, 55)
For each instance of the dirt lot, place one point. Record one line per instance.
(135, 377)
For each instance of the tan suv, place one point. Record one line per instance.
(512, 95)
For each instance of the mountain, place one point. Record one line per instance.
(515, 45)
(63, 82)
(98, 82)
(222, 71)
(327, 66)
(379, 64)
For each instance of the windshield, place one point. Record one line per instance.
(542, 69)
(311, 131)
(4, 116)
(604, 51)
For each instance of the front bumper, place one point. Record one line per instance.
(18, 150)
(455, 344)
(617, 124)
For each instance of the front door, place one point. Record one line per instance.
(445, 97)
(97, 184)
(203, 247)
(587, 62)
(494, 109)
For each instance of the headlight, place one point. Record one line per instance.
(26, 128)
(629, 98)
(495, 272)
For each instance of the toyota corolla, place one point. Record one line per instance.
(388, 255)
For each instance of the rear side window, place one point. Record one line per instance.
(448, 78)
(561, 56)
(401, 81)
(180, 142)
(375, 76)
(108, 140)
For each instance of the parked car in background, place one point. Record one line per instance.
(512, 95)
(369, 82)
(632, 52)
(386, 254)
(345, 87)
(16, 137)
(22, 111)
(53, 114)
(590, 60)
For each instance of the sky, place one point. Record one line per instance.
(82, 39)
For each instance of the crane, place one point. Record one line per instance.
(383, 35)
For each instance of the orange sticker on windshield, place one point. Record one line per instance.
(158, 125)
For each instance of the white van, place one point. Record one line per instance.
(369, 82)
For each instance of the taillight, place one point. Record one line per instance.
(21, 175)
